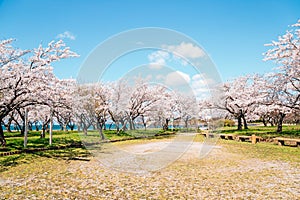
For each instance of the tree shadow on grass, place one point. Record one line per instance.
(67, 154)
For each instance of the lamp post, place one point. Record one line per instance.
(51, 126)
(26, 128)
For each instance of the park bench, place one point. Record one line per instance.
(207, 135)
(245, 138)
(287, 141)
(227, 136)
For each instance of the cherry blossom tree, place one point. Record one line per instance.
(142, 100)
(167, 109)
(101, 101)
(239, 99)
(129, 103)
(62, 103)
(286, 53)
(187, 107)
(83, 106)
(286, 81)
(26, 80)
(118, 100)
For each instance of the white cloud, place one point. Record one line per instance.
(182, 52)
(199, 86)
(177, 78)
(66, 34)
(186, 50)
(158, 59)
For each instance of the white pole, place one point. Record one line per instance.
(51, 125)
(26, 128)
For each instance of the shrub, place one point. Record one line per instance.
(229, 122)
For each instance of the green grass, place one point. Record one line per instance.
(7, 162)
(15, 141)
(263, 150)
(291, 131)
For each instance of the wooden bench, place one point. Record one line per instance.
(287, 141)
(245, 138)
(227, 136)
(208, 135)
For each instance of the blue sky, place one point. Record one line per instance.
(232, 32)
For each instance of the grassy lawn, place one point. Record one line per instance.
(15, 141)
(263, 150)
(291, 131)
(234, 170)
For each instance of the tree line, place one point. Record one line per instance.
(29, 86)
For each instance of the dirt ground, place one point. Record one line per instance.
(223, 174)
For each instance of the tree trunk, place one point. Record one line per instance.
(123, 125)
(36, 126)
(16, 128)
(79, 127)
(109, 128)
(118, 126)
(101, 133)
(186, 123)
(100, 124)
(71, 125)
(30, 124)
(19, 127)
(44, 129)
(280, 121)
(85, 129)
(166, 125)
(131, 126)
(245, 122)
(43, 134)
(240, 126)
(22, 116)
(264, 122)
(7, 126)
(2, 138)
(144, 123)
